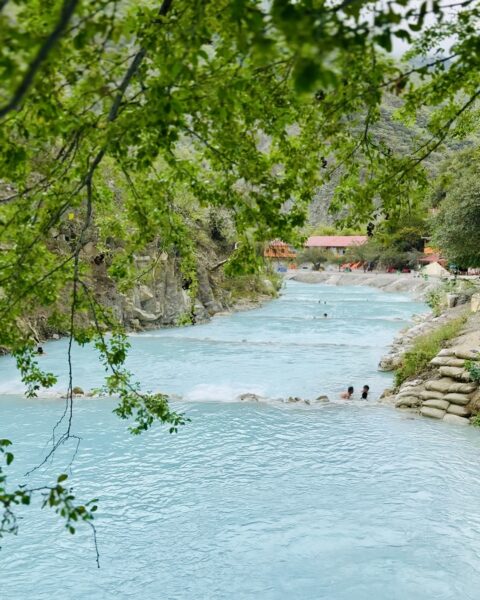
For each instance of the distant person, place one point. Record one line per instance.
(40, 350)
(365, 391)
(325, 315)
(348, 394)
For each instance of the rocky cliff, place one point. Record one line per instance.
(161, 294)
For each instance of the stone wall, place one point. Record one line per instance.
(446, 390)
(448, 393)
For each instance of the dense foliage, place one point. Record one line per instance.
(456, 226)
(112, 110)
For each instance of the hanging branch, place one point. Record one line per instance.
(67, 12)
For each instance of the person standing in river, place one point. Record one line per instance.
(366, 389)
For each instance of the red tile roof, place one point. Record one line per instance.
(335, 241)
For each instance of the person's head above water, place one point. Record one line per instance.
(39, 350)
(325, 315)
(366, 388)
(348, 394)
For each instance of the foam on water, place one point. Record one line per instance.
(269, 499)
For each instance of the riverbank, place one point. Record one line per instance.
(435, 363)
(388, 282)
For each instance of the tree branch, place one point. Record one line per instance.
(67, 13)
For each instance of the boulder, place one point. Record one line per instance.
(77, 391)
(455, 420)
(430, 395)
(439, 385)
(456, 398)
(455, 373)
(268, 286)
(322, 399)
(135, 324)
(248, 397)
(460, 411)
(462, 388)
(441, 404)
(408, 402)
(446, 352)
(447, 361)
(471, 354)
(475, 402)
(409, 391)
(389, 362)
(142, 315)
(433, 413)
(144, 293)
(452, 300)
(475, 303)
(413, 383)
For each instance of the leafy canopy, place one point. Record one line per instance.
(112, 109)
(456, 227)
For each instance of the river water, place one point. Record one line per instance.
(337, 501)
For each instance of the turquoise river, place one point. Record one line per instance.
(251, 500)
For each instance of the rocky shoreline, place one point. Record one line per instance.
(423, 324)
(445, 390)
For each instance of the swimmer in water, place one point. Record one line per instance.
(348, 394)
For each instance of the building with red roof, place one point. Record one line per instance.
(337, 244)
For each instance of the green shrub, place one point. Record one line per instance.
(426, 347)
(476, 420)
(434, 301)
(474, 369)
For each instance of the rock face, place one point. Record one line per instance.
(163, 297)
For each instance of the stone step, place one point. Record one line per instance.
(468, 354)
(410, 392)
(455, 373)
(455, 398)
(408, 402)
(455, 420)
(460, 411)
(431, 395)
(446, 352)
(441, 404)
(445, 361)
(463, 388)
(439, 385)
(433, 413)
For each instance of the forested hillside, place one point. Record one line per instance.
(395, 134)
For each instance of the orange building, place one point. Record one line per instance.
(281, 255)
